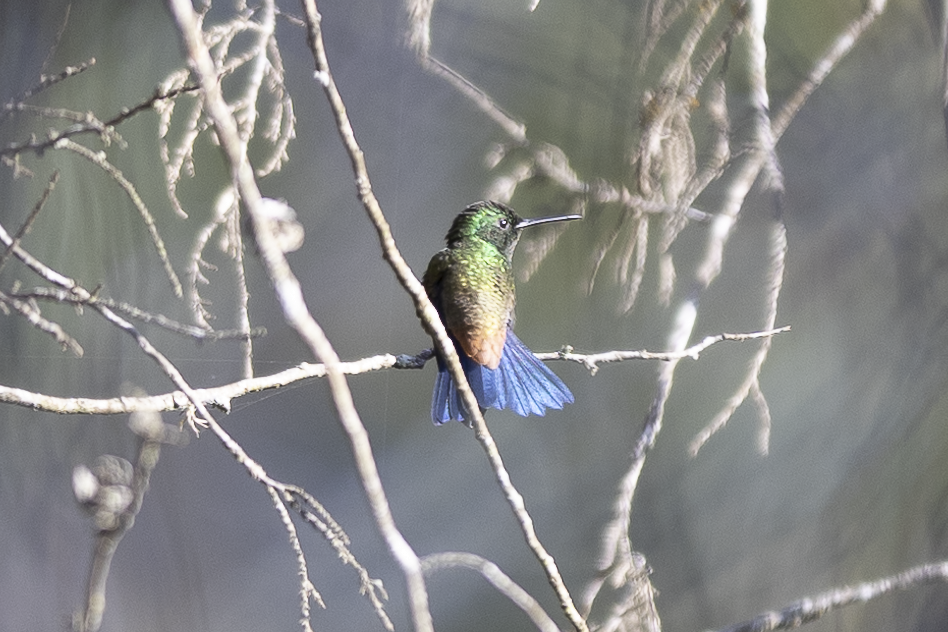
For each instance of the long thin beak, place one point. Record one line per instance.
(545, 220)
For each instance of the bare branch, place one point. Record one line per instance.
(316, 515)
(114, 493)
(593, 360)
(45, 82)
(812, 608)
(497, 578)
(307, 589)
(86, 122)
(751, 383)
(221, 397)
(839, 49)
(198, 333)
(25, 228)
(288, 290)
(29, 311)
(99, 159)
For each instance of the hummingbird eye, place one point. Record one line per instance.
(502, 222)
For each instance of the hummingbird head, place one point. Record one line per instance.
(491, 222)
(494, 223)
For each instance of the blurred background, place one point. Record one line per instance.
(854, 485)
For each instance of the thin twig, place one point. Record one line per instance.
(307, 589)
(515, 129)
(289, 292)
(99, 159)
(497, 578)
(751, 383)
(837, 51)
(593, 360)
(198, 333)
(45, 82)
(435, 328)
(25, 228)
(316, 515)
(31, 313)
(89, 123)
(812, 608)
(152, 433)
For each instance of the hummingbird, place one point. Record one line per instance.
(471, 284)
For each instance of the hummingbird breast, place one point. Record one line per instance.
(477, 300)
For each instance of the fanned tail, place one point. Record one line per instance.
(521, 383)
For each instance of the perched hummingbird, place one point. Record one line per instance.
(471, 284)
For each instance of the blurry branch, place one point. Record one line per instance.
(839, 49)
(225, 208)
(513, 128)
(45, 81)
(751, 384)
(159, 320)
(28, 308)
(665, 151)
(633, 607)
(30, 311)
(761, 156)
(617, 559)
(113, 491)
(289, 293)
(258, 72)
(99, 159)
(667, 180)
(618, 563)
(497, 578)
(812, 608)
(307, 589)
(85, 122)
(418, 37)
(221, 397)
(197, 414)
(28, 223)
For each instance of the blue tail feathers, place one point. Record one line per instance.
(521, 383)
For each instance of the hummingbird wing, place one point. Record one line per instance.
(433, 278)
